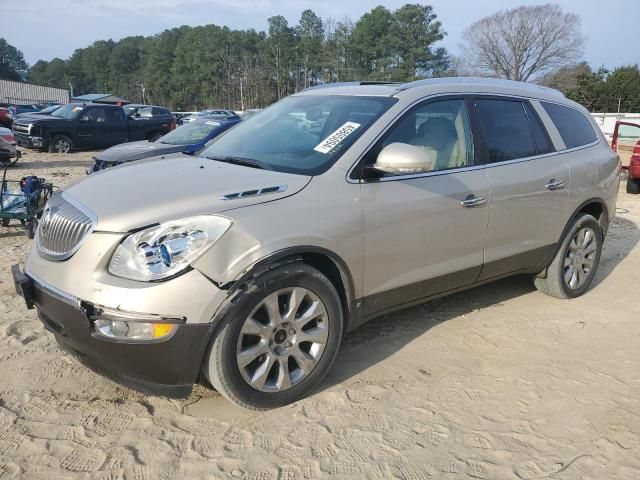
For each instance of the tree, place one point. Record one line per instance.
(565, 78)
(281, 47)
(371, 44)
(12, 63)
(310, 33)
(524, 42)
(413, 31)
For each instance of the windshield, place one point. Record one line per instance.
(195, 132)
(301, 134)
(68, 111)
(50, 109)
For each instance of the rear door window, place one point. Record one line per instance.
(505, 129)
(145, 112)
(115, 115)
(574, 128)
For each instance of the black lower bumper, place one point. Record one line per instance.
(168, 367)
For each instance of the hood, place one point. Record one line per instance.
(131, 196)
(31, 115)
(127, 152)
(35, 119)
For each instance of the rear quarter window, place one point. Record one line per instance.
(575, 129)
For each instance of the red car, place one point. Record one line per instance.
(7, 147)
(626, 142)
(6, 117)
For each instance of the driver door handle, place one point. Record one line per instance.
(554, 185)
(473, 201)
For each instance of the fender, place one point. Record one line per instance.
(293, 254)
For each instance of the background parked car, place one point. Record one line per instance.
(6, 117)
(186, 139)
(208, 113)
(626, 142)
(19, 109)
(45, 111)
(7, 146)
(249, 113)
(180, 115)
(78, 126)
(155, 113)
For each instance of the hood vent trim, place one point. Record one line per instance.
(257, 192)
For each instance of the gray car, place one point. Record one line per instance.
(249, 263)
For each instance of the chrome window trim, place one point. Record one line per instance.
(461, 169)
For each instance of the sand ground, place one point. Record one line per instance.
(500, 382)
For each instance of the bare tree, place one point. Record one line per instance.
(523, 43)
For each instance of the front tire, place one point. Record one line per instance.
(633, 186)
(60, 144)
(277, 340)
(576, 262)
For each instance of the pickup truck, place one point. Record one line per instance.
(88, 126)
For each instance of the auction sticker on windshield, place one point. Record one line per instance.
(336, 137)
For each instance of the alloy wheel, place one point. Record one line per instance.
(282, 339)
(61, 146)
(580, 258)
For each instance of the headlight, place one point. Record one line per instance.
(166, 249)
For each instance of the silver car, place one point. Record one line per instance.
(247, 264)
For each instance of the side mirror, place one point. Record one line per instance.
(404, 158)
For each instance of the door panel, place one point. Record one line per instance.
(419, 239)
(425, 233)
(529, 186)
(526, 216)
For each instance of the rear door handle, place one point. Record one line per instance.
(473, 201)
(554, 184)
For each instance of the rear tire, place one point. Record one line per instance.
(255, 357)
(574, 266)
(633, 186)
(60, 144)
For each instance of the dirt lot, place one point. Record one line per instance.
(495, 383)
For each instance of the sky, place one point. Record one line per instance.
(45, 29)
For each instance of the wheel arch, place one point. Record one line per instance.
(327, 262)
(597, 208)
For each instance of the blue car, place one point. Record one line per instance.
(188, 139)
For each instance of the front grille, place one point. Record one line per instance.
(62, 229)
(21, 128)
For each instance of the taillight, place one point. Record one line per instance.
(173, 124)
(9, 138)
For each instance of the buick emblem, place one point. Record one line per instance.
(46, 218)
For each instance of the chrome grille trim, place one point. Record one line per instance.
(64, 225)
(22, 128)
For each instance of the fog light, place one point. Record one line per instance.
(124, 330)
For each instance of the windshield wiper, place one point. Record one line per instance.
(247, 162)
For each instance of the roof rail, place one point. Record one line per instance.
(480, 81)
(351, 84)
